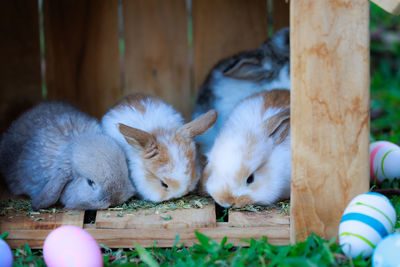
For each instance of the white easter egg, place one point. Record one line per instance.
(367, 219)
(387, 253)
(384, 161)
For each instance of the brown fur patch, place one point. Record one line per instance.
(162, 158)
(276, 98)
(242, 174)
(243, 201)
(190, 154)
(153, 180)
(251, 142)
(172, 183)
(136, 100)
(224, 196)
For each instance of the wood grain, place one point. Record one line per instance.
(82, 53)
(224, 27)
(21, 221)
(20, 73)
(126, 238)
(157, 51)
(330, 112)
(144, 219)
(257, 219)
(391, 6)
(281, 15)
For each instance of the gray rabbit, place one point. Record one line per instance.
(235, 78)
(56, 152)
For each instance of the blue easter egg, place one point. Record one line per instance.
(367, 219)
(6, 257)
(387, 253)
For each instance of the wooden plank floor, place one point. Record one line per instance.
(117, 229)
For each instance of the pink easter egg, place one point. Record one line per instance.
(70, 245)
(384, 161)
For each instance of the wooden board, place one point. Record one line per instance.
(22, 221)
(224, 27)
(391, 6)
(157, 51)
(242, 227)
(272, 217)
(145, 219)
(126, 238)
(82, 53)
(20, 73)
(329, 112)
(281, 15)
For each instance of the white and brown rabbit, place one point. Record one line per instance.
(250, 160)
(56, 152)
(235, 78)
(160, 148)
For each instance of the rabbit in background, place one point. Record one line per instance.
(54, 152)
(235, 78)
(250, 160)
(160, 148)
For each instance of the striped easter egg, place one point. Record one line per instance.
(367, 219)
(384, 161)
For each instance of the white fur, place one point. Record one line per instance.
(157, 115)
(229, 92)
(268, 163)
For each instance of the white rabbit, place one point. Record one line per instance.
(250, 160)
(237, 77)
(56, 152)
(160, 148)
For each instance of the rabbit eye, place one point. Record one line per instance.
(250, 179)
(90, 182)
(164, 184)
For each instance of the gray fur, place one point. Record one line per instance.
(237, 77)
(54, 152)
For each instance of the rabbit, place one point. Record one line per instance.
(160, 148)
(250, 162)
(237, 77)
(54, 152)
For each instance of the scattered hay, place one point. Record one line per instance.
(283, 207)
(23, 206)
(186, 202)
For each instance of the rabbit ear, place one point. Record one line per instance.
(140, 140)
(281, 41)
(278, 125)
(199, 125)
(246, 69)
(50, 193)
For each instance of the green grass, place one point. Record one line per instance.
(312, 252)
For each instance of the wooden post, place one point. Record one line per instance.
(329, 111)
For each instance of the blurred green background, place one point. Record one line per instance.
(385, 75)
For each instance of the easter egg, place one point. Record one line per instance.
(70, 245)
(367, 219)
(6, 257)
(387, 253)
(384, 161)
